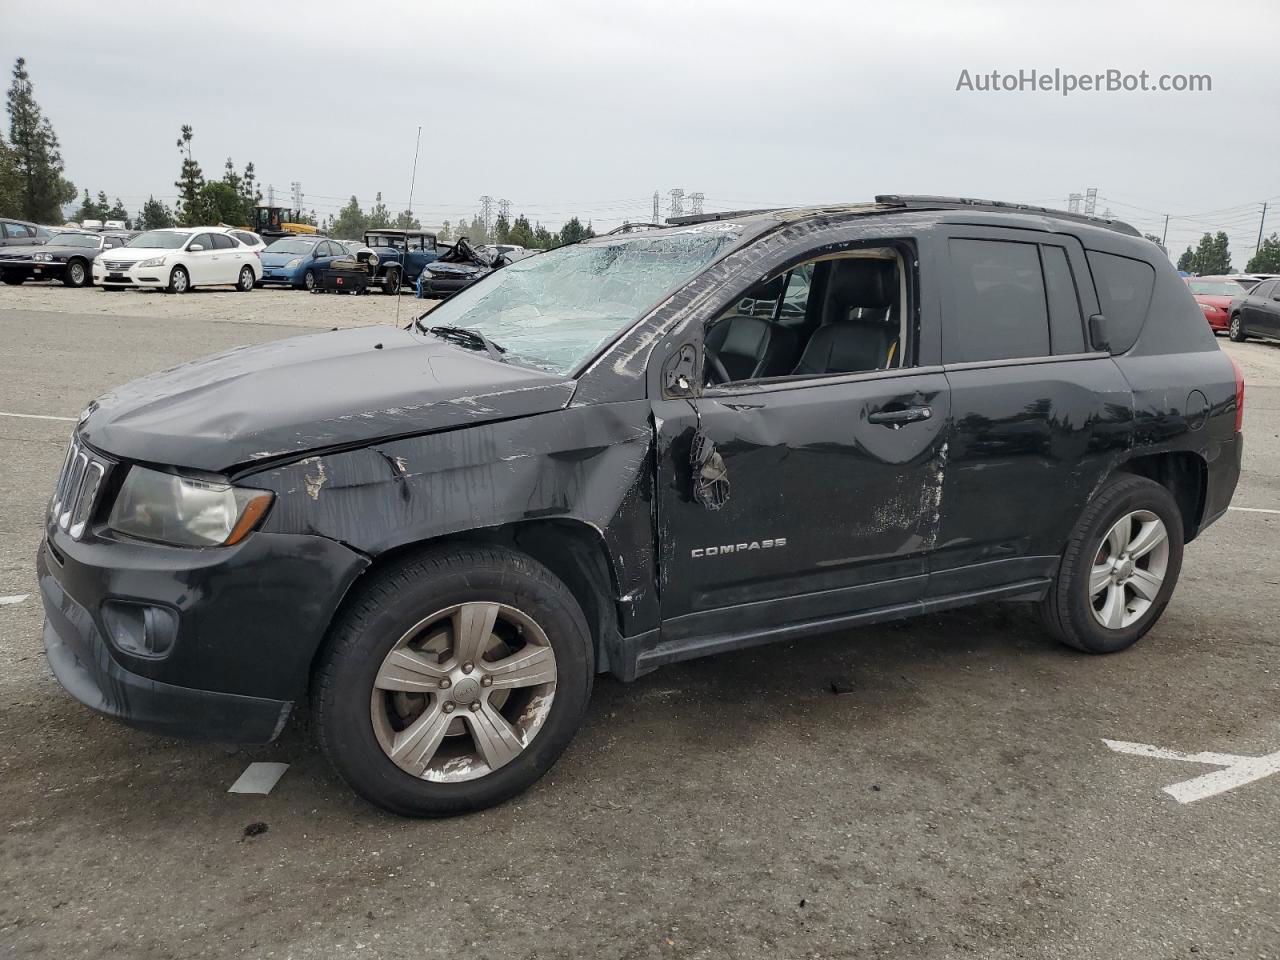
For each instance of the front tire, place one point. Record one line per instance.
(179, 280)
(245, 283)
(309, 281)
(391, 285)
(76, 274)
(1236, 331)
(1119, 568)
(452, 681)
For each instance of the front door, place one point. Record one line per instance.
(200, 263)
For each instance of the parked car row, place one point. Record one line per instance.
(1239, 305)
(67, 256)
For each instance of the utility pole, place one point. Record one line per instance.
(1164, 237)
(1258, 246)
(656, 211)
(677, 202)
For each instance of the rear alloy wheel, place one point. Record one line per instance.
(1236, 330)
(245, 283)
(309, 281)
(453, 681)
(392, 284)
(1119, 568)
(179, 280)
(76, 274)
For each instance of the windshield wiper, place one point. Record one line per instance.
(472, 339)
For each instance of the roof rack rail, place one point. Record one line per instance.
(721, 215)
(924, 202)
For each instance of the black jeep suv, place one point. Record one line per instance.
(630, 451)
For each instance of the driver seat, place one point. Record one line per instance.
(752, 347)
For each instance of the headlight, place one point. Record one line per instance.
(373, 259)
(185, 512)
(293, 263)
(153, 262)
(43, 257)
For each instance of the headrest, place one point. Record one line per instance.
(863, 283)
(767, 289)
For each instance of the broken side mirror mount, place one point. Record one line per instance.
(1098, 332)
(680, 373)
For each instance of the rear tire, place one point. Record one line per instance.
(1236, 331)
(1103, 556)
(179, 280)
(246, 279)
(419, 598)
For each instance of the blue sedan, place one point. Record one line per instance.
(299, 262)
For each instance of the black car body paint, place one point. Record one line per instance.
(372, 452)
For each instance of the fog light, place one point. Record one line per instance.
(140, 629)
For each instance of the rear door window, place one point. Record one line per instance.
(998, 303)
(1124, 288)
(1066, 320)
(222, 241)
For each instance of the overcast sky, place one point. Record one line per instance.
(589, 107)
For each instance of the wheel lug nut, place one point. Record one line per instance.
(486, 681)
(474, 706)
(448, 706)
(445, 684)
(468, 667)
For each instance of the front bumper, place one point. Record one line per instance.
(33, 269)
(247, 622)
(132, 276)
(281, 276)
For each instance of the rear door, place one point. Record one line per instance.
(1264, 315)
(1037, 413)
(226, 258)
(200, 263)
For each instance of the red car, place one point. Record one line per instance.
(1214, 294)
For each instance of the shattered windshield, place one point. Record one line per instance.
(555, 310)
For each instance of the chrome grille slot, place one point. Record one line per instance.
(117, 264)
(77, 490)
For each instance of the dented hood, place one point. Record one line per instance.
(307, 393)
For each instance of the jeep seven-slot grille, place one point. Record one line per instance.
(77, 491)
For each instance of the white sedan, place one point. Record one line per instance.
(179, 260)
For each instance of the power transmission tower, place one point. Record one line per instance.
(695, 201)
(297, 198)
(1090, 201)
(486, 212)
(504, 210)
(656, 210)
(1073, 203)
(677, 202)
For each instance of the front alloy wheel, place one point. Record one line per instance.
(463, 692)
(77, 275)
(1236, 330)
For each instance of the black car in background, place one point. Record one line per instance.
(458, 268)
(631, 451)
(66, 256)
(1256, 314)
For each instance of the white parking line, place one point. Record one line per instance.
(1253, 510)
(36, 416)
(1238, 770)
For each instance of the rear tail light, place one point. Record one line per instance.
(1239, 393)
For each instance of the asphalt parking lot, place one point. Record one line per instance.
(957, 798)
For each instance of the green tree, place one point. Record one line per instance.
(10, 182)
(501, 230)
(91, 209)
(37, 156)
(1187, 261)
(521, 233)
(572, 232)
(475, 232)
(543, 238)
(405, 220)
(250, 195)
(1267, 257)
(155, 215)
(351, 223)
(379, 217)
(118, 212)
(1211, 256)
(189, 182)
(217, 202)
(445, 233)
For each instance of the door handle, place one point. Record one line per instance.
(900, 415)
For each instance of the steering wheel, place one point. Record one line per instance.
(713, 370)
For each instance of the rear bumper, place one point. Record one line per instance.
(81, 661)
(1224, 475)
